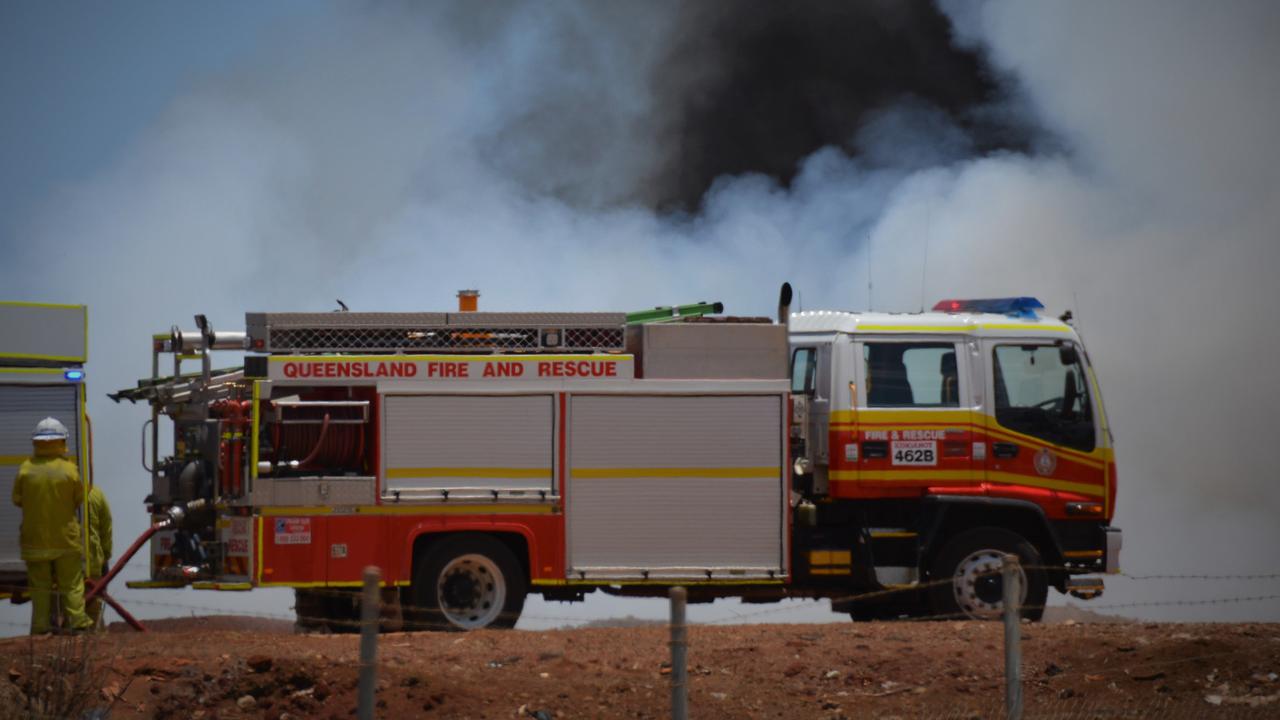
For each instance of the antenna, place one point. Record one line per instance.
(924, 266)
(1079, 320)
(870, 304)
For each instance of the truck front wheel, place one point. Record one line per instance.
(972, 561)
(468, 582)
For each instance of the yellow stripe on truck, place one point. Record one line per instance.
(469, 472)
(965, 476)
(683, 472)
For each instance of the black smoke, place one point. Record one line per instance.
(757, 87)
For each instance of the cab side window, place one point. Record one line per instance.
(911, 374)
(804, 371)
(1042, 391)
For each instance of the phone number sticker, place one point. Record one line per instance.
(914, 452)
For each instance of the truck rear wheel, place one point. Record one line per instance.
(972, 560)
(468, 582)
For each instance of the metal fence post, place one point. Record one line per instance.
(369, 612)
(1012, 582)
(679, 656)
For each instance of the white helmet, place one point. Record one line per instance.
(49, 429)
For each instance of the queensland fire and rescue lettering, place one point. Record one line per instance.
(478, 369)
(351, 369)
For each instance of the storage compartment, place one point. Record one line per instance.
(706, 350)
(676, 487)
(21, 407)
(452, 447)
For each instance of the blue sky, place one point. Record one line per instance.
(82, 80)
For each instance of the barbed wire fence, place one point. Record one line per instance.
(1262, 699)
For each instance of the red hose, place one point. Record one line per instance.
(324, 431)
(100, 585)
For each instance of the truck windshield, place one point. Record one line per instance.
(1043, 392)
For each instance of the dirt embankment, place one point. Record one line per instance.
(196, 668)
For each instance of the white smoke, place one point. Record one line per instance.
(390, 156)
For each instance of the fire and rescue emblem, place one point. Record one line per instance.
(1046, 462)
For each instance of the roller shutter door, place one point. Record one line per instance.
(675, 486)
(467, 445)
(21, 407)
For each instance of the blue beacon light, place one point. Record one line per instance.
(1017, 306)
(73, 375)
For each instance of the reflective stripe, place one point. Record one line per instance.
(402, 509)
(1033, 481)
(958, 329)
(691, 472)
(974, 478)
(472, 472)
(235, 587)
(913, 475)
(673, 581)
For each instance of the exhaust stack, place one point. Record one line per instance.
(784, 305)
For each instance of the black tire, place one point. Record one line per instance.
(971, 559)
(309, 611)
(326, 610)
(903, 604)
(467, 581)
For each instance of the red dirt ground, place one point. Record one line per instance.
(240, 667)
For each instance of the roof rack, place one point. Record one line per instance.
(464, 332)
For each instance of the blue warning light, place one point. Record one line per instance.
(73, 375)
(1017, 306)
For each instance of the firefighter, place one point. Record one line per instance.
(49, 492)
(99, 547)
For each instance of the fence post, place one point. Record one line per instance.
(679, 656)
(369, 612)
(1012, 581)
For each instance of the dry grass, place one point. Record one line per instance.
(57, 677)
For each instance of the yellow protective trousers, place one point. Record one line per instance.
(94, 608)
(70, 576)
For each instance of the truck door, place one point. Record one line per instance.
(914, 418)
(1042, 437)
(23, 404)
(811, 375)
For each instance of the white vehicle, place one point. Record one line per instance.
(43, 349)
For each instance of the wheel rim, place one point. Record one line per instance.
(978, 586)
(471, 591)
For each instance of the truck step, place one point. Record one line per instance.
(1085, 588)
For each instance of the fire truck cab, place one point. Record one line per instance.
(943, 440)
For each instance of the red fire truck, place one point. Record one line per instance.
(477, 457)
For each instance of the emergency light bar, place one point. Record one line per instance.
(1017, 306)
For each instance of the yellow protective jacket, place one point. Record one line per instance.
(49, 492)
(99, 530)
